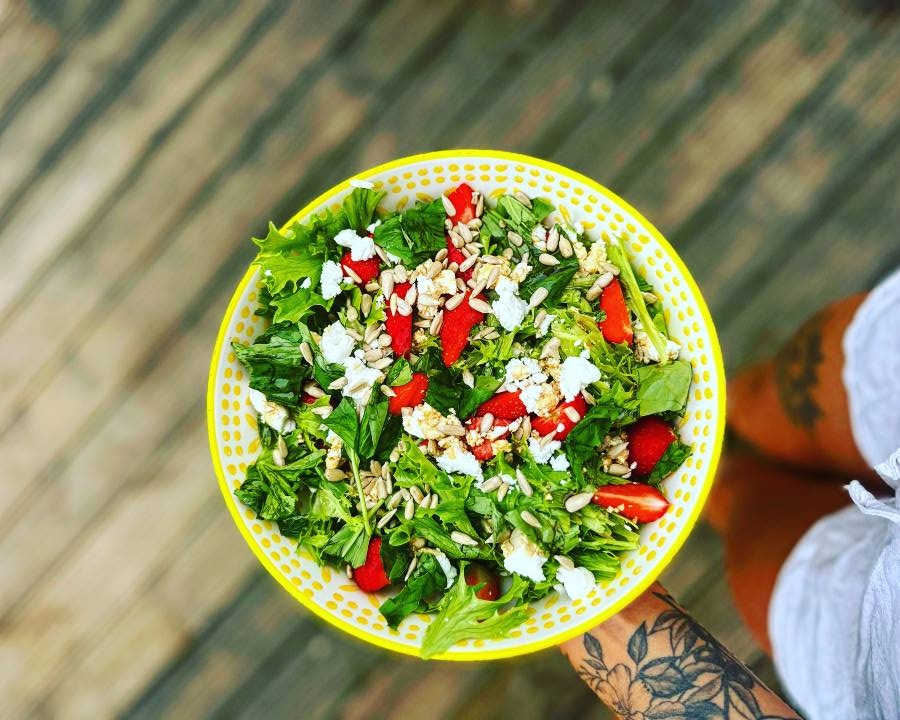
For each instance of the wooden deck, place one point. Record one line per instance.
(142, 143)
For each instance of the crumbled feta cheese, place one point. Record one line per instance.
(509, 308)
(362, 247)
(520, 272)
(592, 262)
(523, 557)
(360, 379)
(543, 454)
(267, 272)
(337, 345)
(272, 414)
(544, 325)
(306, 284)
(576, 374)
(577, 582)
(522, 372)
(560, 463)
(444, 283)
(509, 480)
(540, 399)
(332, 274)
(449, 571)
(372, 227)
(336, 445)
(645, 351)
(422, 422)
(456, 459)
(364, 184)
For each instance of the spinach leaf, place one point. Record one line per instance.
(350, 543)
(253, 490)
(276, 368)
(426, 581)
(345, 424)
(399, 373)
(554, 280)
(372, 424)
(582, 442)
(359, 207)
(670, 461)
(663, 388)
(415, 234)
(485, 387)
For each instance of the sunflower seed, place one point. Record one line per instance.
(382, 364)
(574, 503)
(501, 491)
(460, 283)
(617, 449)
(474, 223)
(468, 262)
(565, 562)
(572, 414)
(403, 307)
(426, 501)
(410, 297)
(393, 304)
(491, 335)
(416, 493)
(551, 349)
(334, 475)
(436, 323)
(395, 500)
(412, 566)
(540, 316)
(523, 198)
(565, 247)
(650, 298)
(372, 286)
(478, 287)
(619, 470)
(323, 412)
(384, 340)
(338, 384)
(435, 500)
(409, 510)
(538, 296)
(545, 259)
(387, 283)
(423, 323)
(468, 378)
(448, 206)
(480, 305)
(526, 426)
(388, 516)
(401, 275)
(514, 238)
(278, 457)
(441, 254)
(352, 274)
(487, 420)
(313, 390)
(373, 355)
(349, 571)
(365, 304)
(457, 241)
(473, 248)
(588, 398)
(491, 484)
(523, 484)
(610, 267)
(460, 538)
(552, 239)
(451, 429)
(464, 232)
(356, 388)
(479, 206)
(428, 301)
(530, 519)
(306, 352)
(381, 254)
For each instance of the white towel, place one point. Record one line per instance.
(834, 619)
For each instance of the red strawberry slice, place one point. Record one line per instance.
(409, 395)
(616, 327)
(558, 420)
(640, 502)
(398, 326)
(462, 203)
(366, 269)
(484, 451)
(455, 255)
(504, 405)
(455, 330)
(307, 398)
(370, 576)
(648, 440)
(478, 574)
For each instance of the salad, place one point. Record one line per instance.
(467, 405)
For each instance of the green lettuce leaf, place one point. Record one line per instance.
(359, 207)
(426, 581)
(663, 388)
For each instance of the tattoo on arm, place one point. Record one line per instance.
(675, 670)
(796, 372)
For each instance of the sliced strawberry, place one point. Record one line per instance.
(484, 451)
(462, 203)
(307, 398)
(478, 574)
(504, 405)
(371, 576)
(366, 269)
(398, 326)
(455, 330)
(648, 440)
(640, 502)
(455, 255)
(408, 395)
(558, 420)
(616, 326)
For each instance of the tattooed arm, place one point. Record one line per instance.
(653, 661)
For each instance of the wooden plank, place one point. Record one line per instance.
(25, 46)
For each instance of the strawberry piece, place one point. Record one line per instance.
(504, 406)
(616, 326)
(640, 502)
(371, 576)
(307, 398)
(408, 395)
(398, 326)
(648, 440)
(366, 269)
(484, 451)
(455, 255)
(478, 574)
(461, 198)
(455, 330)
(558, 420)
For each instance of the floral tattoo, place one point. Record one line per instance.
(698, 680)
(796, 372)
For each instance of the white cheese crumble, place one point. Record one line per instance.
(592, 262)
(337, 345)
(306, 284)
(544, 325)
(522, 372)
(422, 422)
(443, 284)
(336, 445)
(646, 352)
(509, 308)
(456, 459)
(362, 247)
(332, 274)
(364, 184)
(273, 414)
(577, 582)
(509, 480)
(560, 463)
(543, 454)
(576, 374)
(520, 272)
(360, 379)
(523, 557)
(540, 399)
(446, 566)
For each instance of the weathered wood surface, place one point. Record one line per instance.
(142, 143)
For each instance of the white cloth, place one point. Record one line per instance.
(834, 619)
